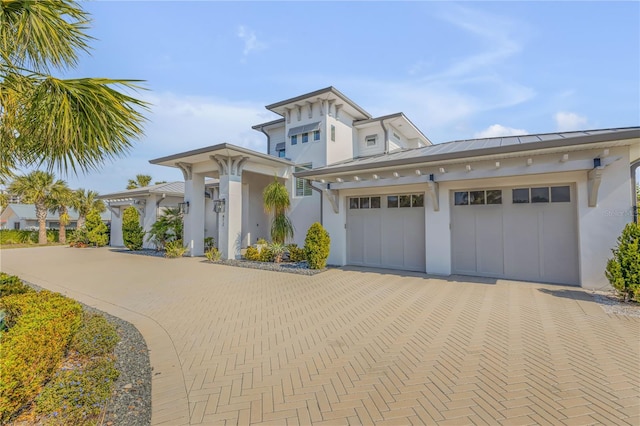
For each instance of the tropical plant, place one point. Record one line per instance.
(213, 254)
(139, 182)
(278, 250)
(209, 242)
(174, 249)
(276, 203)
(4, 201)
(39, 188)
(623, 270)
(296, 254)
(59, 203)
(252, 253)
(97, 231)
(83, 201)
(65, 123)
(316, 246)
(132, 232)
(166, 228)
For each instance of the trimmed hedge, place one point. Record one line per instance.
(316, 246)
(23, 236)
(41, 325)
(11, 284)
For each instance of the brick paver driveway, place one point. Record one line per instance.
(239, 346)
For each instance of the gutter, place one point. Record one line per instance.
(261, 129)
(319, 191)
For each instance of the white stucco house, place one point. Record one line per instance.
(544, 207)
(23, 216)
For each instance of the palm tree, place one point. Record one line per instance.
(276, 203)
(59, 203)
(39, 188)
(139, 182)
(65, 123)
(84, 201)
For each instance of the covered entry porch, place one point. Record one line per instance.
(237, 201)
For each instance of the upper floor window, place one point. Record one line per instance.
(371, 140)
(305, 137)
(294, 139)
(281, 153)
(333, 133)
(316, 135)
(303, 186)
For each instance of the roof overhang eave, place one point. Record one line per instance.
(224, 148)
(582, 142)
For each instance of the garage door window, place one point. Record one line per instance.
(408, 200)
(478, 198)
(364, 203)
(560, 194)
(543, 194)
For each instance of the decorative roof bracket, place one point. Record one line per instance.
(594, 177)
(333, 196)
(434, 193)
(186, 170)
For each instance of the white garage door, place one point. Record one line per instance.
(386, 231)
(525, 233)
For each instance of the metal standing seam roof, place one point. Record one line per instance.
(175, 188)
(329, 89)
(478, 147)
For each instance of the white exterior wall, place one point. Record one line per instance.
(312, 151)
(210, 220)
(600, 226)
(373, 129)
(258, 224)
(276, 136)
(304, 212)
(335, 224)
(148, 218)
(116, 239)
(399, 142)
(342, 148)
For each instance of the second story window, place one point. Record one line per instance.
(371, 140)
(294, 140)
(305, 137)
(316, 135)
(281, 153)
(333, 133)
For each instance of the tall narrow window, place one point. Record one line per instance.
(333, 133)
(305, 137)
(294, 139)
(303, 187)
(316, 135)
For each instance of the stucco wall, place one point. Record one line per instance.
(342, 148)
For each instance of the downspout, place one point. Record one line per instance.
(319, 191)
(268, 140)
(634, 168)
(386, 137)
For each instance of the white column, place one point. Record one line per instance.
(148, 218)
(230, 222)
(194, 220)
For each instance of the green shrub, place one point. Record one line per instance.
(78, 396)
(18, 236)
(213, 254)
(97, 231)
(252, 253)
(623, 270)
(262, 242)
(277, 250)
(95, 337)
(166, 228)
(41, 325)
(10, 284)
(316, 246)
(174, 249)
(209, 242)
(296, 254)
(132, 232)
(265, 255)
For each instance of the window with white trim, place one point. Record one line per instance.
(316, 135)
(371, 140)
(305, 137)
(303, 186)
(294, 139)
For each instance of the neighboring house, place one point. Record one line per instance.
(545, 207)
(23, 216)
(151, 201)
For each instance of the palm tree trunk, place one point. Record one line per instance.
(41, 215)
(80, 222)
(62, 232)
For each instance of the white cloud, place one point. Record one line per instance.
(567, 121)
(497, 130)
(251, 42)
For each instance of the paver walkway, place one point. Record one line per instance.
(239, 346)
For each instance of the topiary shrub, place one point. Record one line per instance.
(296, 254)
(10, 284)
(316, 246)
(97, 231)
(41, 325)
(95, 337)
(132, 232)
(623, 270)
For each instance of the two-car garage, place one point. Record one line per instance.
(523, 233)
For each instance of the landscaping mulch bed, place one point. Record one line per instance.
(612, 304)
(130, 403)
(301, 268)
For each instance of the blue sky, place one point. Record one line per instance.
(457, 70)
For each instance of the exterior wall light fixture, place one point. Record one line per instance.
(183, 207)
(219, 205)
